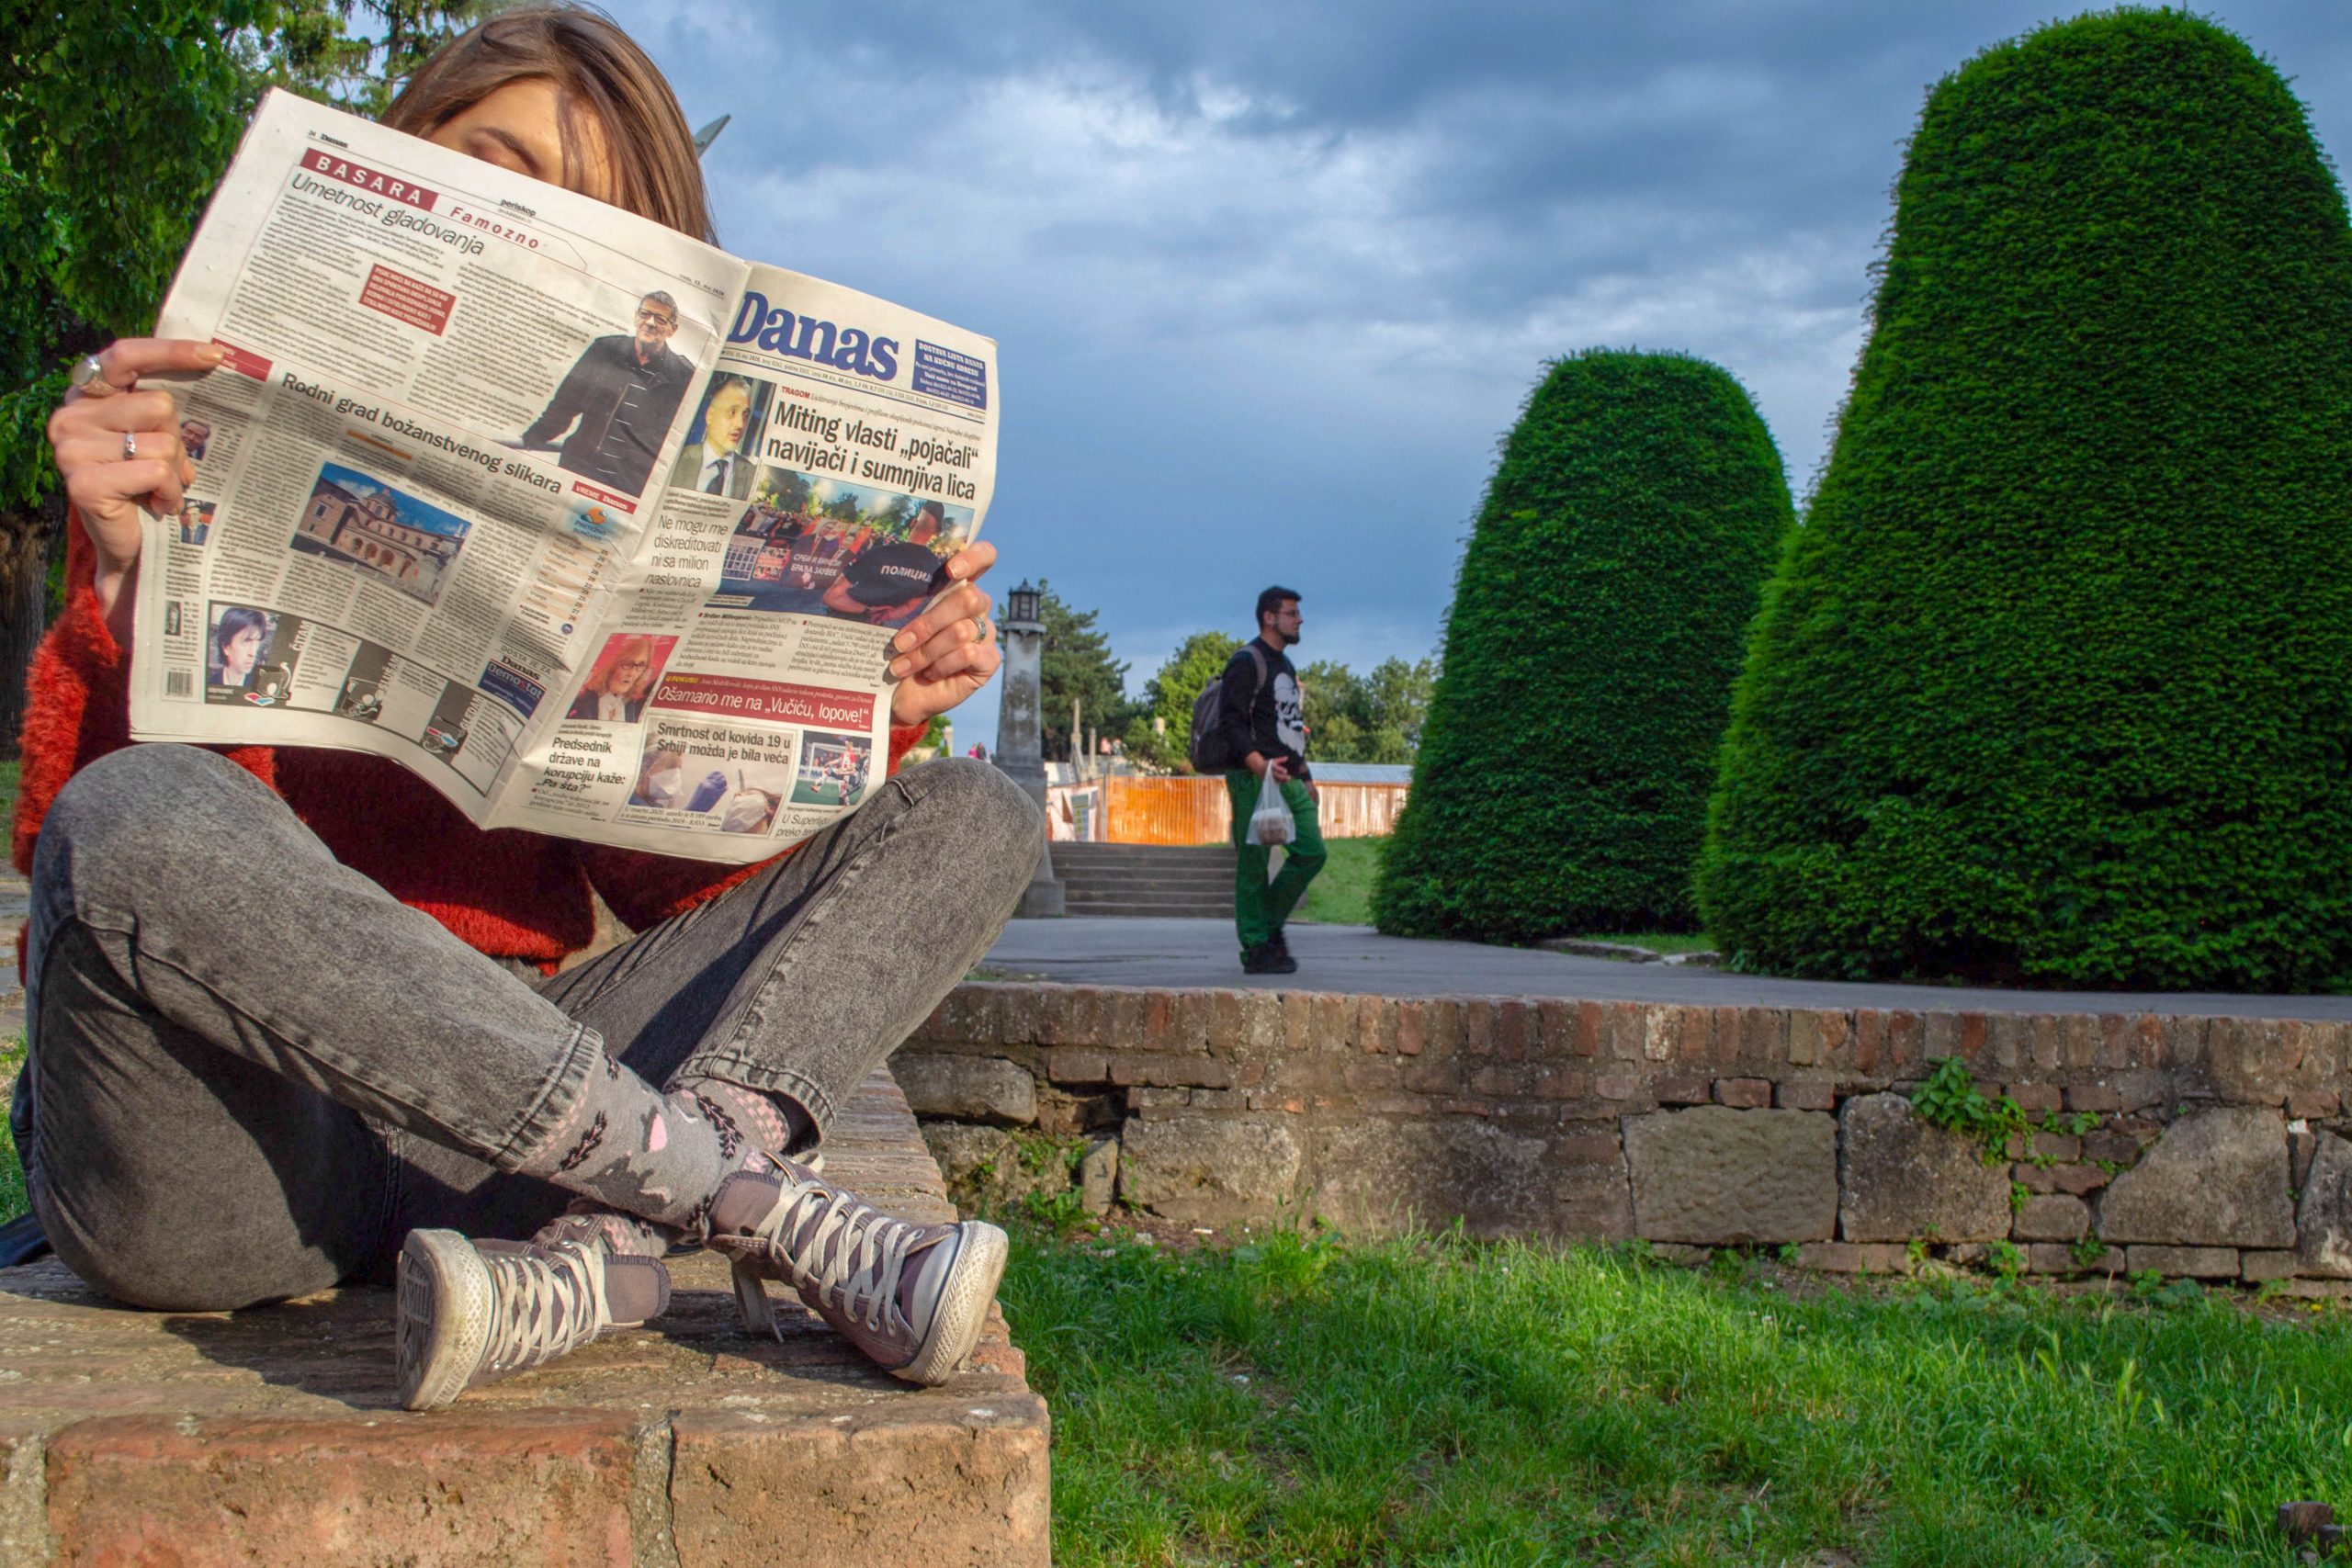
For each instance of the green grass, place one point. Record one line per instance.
(12, 1175)
(1656, 941)
(1302, 1400)
(1341, 894)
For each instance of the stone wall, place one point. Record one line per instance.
(2211, 1148)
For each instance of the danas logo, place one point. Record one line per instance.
(804, 337)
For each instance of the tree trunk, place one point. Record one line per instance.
(28, 541)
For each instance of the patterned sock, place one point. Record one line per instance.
(626, 1145)
(774, 1122)
(623, 1235)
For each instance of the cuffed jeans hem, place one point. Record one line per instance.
(552, 1105)
(765, 1077)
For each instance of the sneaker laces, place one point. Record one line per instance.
(551, 1300)
(847, 1253)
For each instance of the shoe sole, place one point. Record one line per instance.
(444, 1296)
(962, 1305)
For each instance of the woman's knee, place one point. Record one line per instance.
(990, 812)
(150, 816)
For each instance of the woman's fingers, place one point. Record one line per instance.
(971, 561)
(958, 620)
(156, 410)
(123, 361)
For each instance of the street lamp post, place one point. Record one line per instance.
(1019, 749)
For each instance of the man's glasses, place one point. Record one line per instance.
(659, 317)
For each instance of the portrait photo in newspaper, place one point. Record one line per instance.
(611, 415)
(717, 458)
(623, 676)
(238, 637)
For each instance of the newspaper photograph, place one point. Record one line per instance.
(602, 532)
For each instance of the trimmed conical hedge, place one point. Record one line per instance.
(2055, 682)
(1561, 778)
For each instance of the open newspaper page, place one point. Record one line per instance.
(842, 451)
(453, 396)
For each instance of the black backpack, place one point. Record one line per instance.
(1206, 750)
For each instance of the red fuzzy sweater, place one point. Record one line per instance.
(508, 893)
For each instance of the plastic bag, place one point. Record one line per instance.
(1272, 823)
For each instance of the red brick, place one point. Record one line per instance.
(1870, 1040)
(1477, 1026)
(1445, 1026)
(1497, 1082)
(1068, 1064)
(1764, 1036)
(1374, 1075)
(1016, 1015)
(2186, 1041)
(1332, 1019)
(1558, 1080)
(1409, 1020)
(1225, 1031)
(1725, 1026)
(1375, 1026)
(2093, 1097)
(1298, 1020)
(1808, 1094)
(1129, 1067)
(1556, 1028)
(1514, 1030)
(1745, 1094)
(1617, 1084)
(456, 1486)
(1589, 1021)
(974, 1491)
(1681, 1089)
(2049, 1042)
(2008, 1044)
(1621, 1030)
(1906, 1040)
(1160, 1020)
(2036, 1098)
(1192, 1021)
(1940, 1035)
(2082, 1180)
(2082, 1035)
(1053, 1004)
(1467, 1107)
(2308, 1102)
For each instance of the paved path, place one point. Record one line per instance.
(1358, 959)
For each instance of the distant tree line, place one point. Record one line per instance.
(1374, 718)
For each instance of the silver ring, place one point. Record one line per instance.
(89, 378)
(979, 628)
(130, 446)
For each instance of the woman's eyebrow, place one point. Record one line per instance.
(513, 145)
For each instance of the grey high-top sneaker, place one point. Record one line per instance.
(912, 1297)
(472, 1312)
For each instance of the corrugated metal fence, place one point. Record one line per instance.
(1129, 810)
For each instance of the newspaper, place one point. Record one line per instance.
(601, 531)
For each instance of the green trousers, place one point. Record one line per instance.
(1260, 908)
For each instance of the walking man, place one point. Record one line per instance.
(1266, 728)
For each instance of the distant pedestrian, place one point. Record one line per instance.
(1266, 727)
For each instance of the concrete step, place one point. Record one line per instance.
(271, 1437)
(1155, 911)
(1206, 884)
(1141, 857)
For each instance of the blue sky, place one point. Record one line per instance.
(1268, 282)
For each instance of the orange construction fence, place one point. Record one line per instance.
(1120, 809)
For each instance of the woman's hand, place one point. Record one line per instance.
(949, 651)
(108, 480)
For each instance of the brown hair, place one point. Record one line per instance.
(601, 77)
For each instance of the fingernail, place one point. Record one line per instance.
(899, 666)
(212, 353)
(902, 642)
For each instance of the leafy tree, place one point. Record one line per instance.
(1360, 718)
(1169, 696)
(114, 127)
(1076, 664)
(1595, 634)
(115, 123)
(2056, 682)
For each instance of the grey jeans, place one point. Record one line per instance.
(252, 1071)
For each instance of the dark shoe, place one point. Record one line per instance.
(470, 1313)
(913, 1297)
(1267, 959)
(1281, 947)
